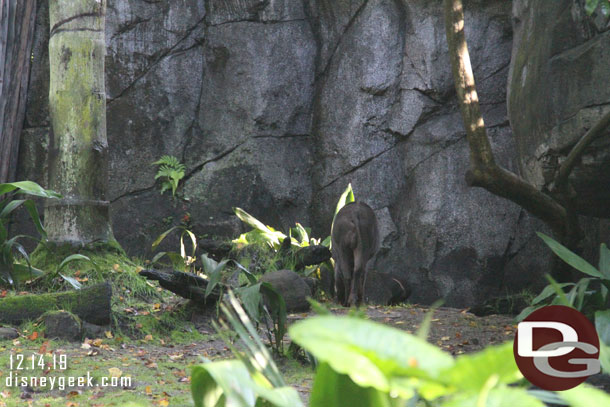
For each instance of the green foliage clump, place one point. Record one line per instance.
(299, 235)
(12, 272)
(367, 364)
(592, 5)
(261, 250)
(589, 294)
(171, 171)
(91, 264)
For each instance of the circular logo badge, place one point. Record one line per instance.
(556, 348)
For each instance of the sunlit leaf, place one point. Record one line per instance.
(585, 396)
(72, 281)
(28, 187)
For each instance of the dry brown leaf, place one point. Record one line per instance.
(43, 348)
(115, 372)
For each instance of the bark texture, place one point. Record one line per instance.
(17, 19)
(78, 166)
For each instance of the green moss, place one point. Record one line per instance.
(108, 263)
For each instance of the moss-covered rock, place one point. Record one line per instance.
(62, 324)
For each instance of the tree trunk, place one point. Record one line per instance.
(555, 209)
(78, 152)
(16, 32)
(91, 304)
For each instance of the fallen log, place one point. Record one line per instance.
(186, 285)
(310, 255)
(91, 304)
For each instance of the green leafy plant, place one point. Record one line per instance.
(171, 171)
(589, 295)
(252, 379)
(182, 261)
(12, 272)
(263, 303)
(604, 6)
(299, 235)
(367, 364)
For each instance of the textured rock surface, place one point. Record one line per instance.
(382, 289)
(291, 287)
(558, 89)
(62, 325)
(6, 332)
(276, 105)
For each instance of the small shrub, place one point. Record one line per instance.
(12, 272)
(589, 295)
(170, 171)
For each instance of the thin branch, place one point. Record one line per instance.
(484, 172)
(590, 136)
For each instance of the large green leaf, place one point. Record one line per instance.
(28, 187)
(569, 257)
(496, 397)
(273, 237)
(332, 389)
(472, 372)
(604, 261)
(251, 298)
(585, 396)
(548, 291)
(602, 325)
(10, 207)
(228, 383)
(214, 276)
(31, 208)
(368, 352)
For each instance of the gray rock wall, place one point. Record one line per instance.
(276, 105)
